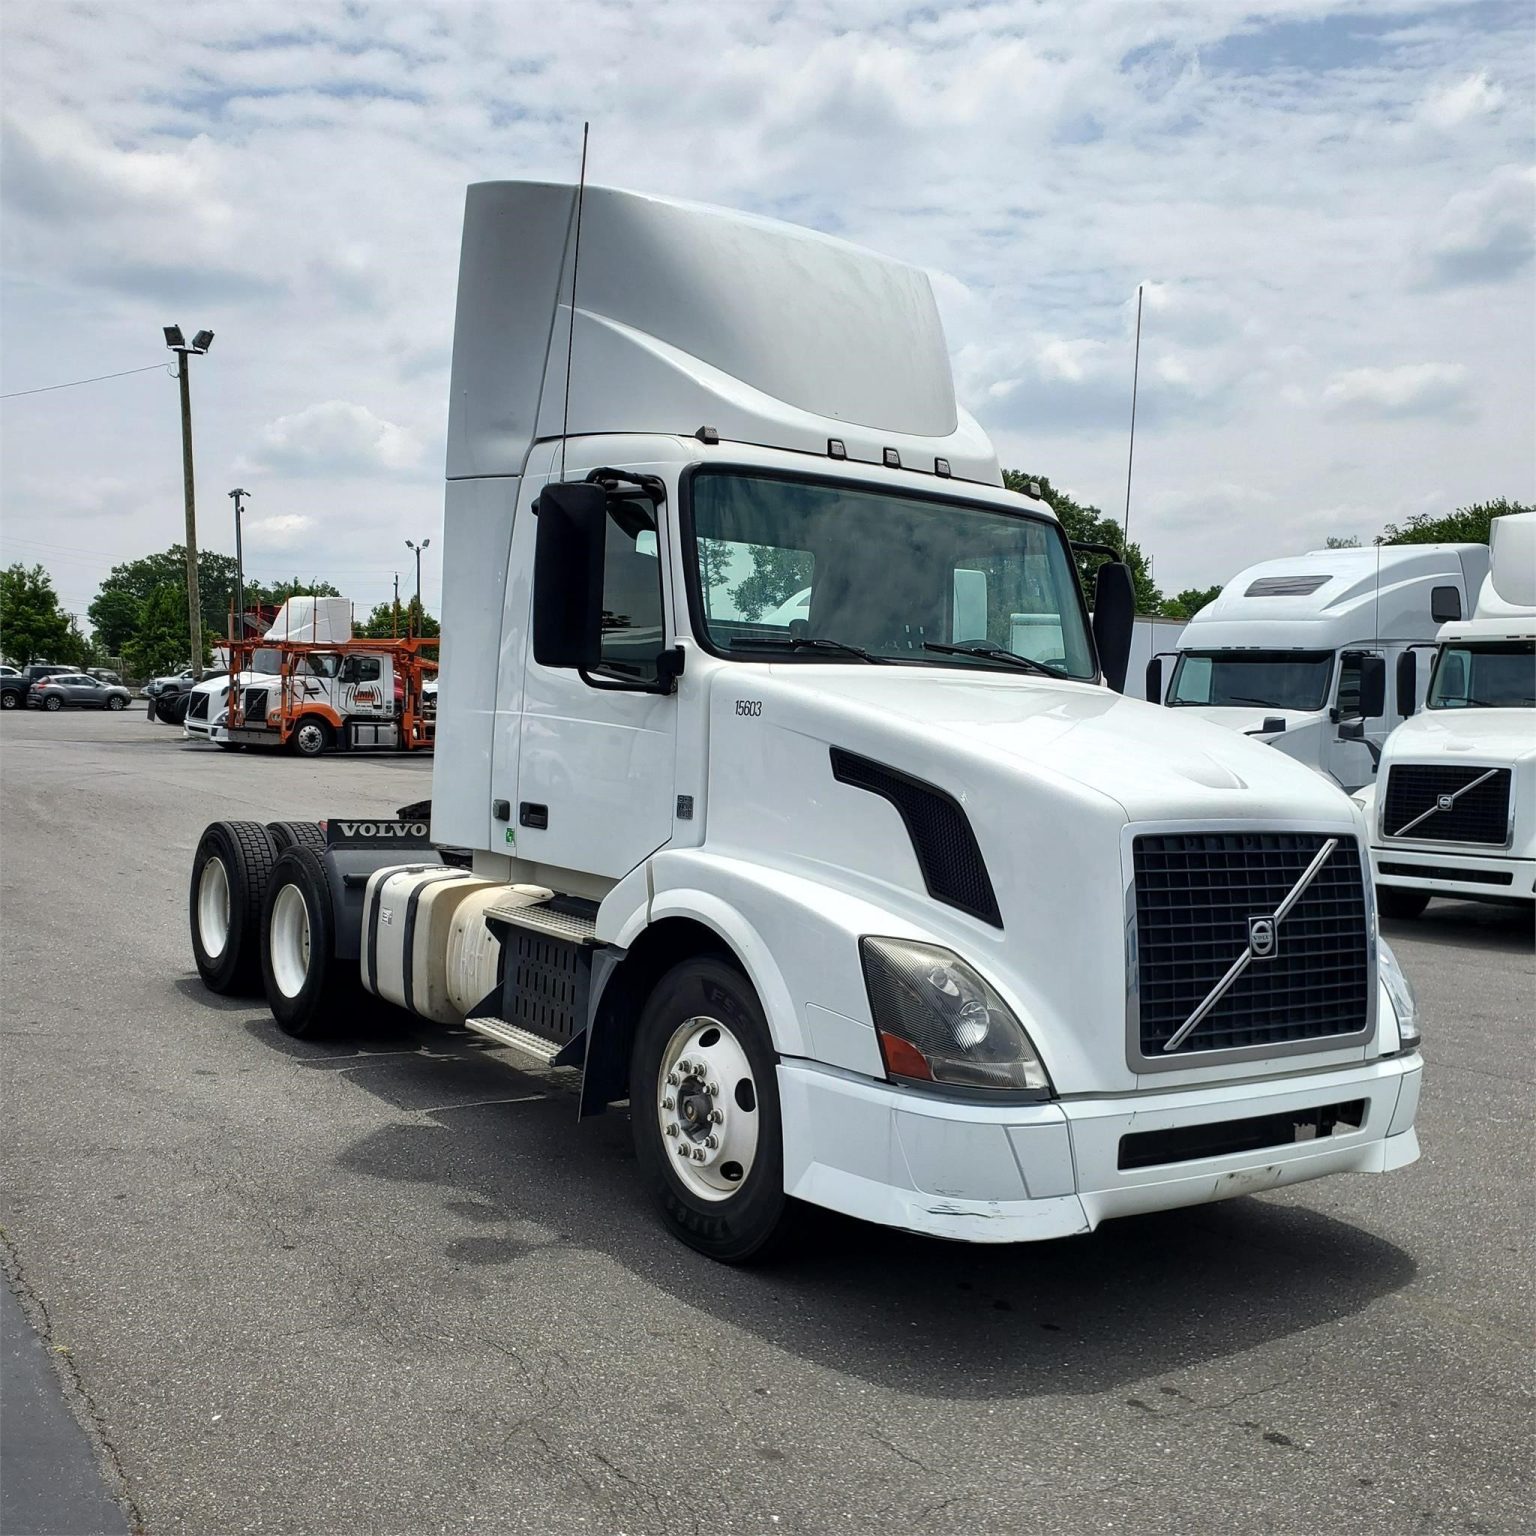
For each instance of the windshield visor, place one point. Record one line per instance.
(777, 559)
(1498, 676)
(1295, 680)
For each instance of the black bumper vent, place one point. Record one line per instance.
(1474, 815)
(1195, 894)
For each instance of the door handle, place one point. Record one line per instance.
(531, 815)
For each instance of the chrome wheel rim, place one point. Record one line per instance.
(311, 738)
(288, 941)
(706, 1108)
(213, 908)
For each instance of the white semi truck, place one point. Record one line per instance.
(864, 908)
(1453, 811)
(1294, 649)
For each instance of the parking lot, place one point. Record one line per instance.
(387, 1284)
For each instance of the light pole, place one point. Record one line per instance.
(238, 495)
(418, 549)
(200, 344)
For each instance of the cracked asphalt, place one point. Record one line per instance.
(387, 1284)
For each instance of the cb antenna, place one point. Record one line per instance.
(570, 335)
(1130, 458)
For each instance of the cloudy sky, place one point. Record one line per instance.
(1331, 206)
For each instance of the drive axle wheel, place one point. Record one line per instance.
(309, 989)
(230, 871)
(704, 1104)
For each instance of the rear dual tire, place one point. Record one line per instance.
(230, 873)
(309, 990)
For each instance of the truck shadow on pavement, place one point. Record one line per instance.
(1140, 1298)
(1467, 925)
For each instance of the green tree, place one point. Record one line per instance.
(141, 578)
(777, 574)
(1189, 602)
(280, 592)
(32, 625)
(1466, 525)
(116, 615)
(390, 619)
(1336, 542)
(1088, 525)
(159, 645)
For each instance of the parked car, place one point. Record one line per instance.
(7, 670)
(105, 675)
(18, 683)
(178, 682)
(76, 690)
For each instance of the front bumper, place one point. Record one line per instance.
(1453, 871)
(1017, 1173)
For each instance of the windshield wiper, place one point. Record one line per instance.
(803, 643)
(994, 653)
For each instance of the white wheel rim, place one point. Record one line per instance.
(288, 944)
(706, 1106)
(213, 908)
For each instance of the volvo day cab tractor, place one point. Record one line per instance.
(1298, 652)
(1453, 811)
(866, 908)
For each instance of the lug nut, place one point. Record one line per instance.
(668, 1102)
(716, 1118)
(711, 1142)
(712, 1089)
(682, 1151)
(671, 1127)
(698, 1154)
(673, 1079)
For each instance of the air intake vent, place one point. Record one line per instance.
(947, 853)
(1432, 804)
(1285, 586)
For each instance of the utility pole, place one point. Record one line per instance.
(416, 618)
(237, 496)
(184, 353)
(395, 615)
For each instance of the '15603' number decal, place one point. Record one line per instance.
(749, 706)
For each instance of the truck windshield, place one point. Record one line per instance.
(1496, 675)
(1271, 679)
(822, 572)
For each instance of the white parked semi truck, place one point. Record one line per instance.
(1294, 649)
(1453, 811)
(864, 908)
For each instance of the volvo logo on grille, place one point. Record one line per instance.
(1445, 802)
(1261, 937)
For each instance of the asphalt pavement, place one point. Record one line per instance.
(387, 1284)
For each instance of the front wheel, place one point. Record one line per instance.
(116, 703)
(1399, 901)
(704, 1102)
(312, 738)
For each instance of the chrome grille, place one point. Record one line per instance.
(1196, 891)
(1478, 813)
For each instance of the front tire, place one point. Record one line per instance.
(312, 737)
(1400, 901)
(230, 872)
(704, 1103)
(116, 703)
(308, 989)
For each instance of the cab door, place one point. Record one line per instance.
(596, 765)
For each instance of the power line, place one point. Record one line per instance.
(75, 383)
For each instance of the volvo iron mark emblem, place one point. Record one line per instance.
(1444, 802)
(1261, 937)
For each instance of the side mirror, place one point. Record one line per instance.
(1352, 730)
(1445, 605)
(1114, 619)
(1155, 680)
(1373, 687)
(1407, 683)
(568, 575)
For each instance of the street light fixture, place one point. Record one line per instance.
(418, 549)
(176, 341)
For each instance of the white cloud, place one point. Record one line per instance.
(1485, 234)
(1476, 96)
(1411, 389)
(287, 530)
(334, 437)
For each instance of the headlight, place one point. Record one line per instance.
(938, 1021)
(1400, 990)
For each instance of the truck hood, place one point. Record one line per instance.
(1508, 735)
(1152, 762)
(1248, 718)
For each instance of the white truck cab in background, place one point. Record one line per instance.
(1293, 649)
(781, 788)
(1453, 810)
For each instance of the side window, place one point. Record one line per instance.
(632, 623)
(1349, 686)
(361, 669)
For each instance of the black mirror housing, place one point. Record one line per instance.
(1373, 687)
(1445, 605)
(568, 575)
(1114, 618)
(1155, 680)
(1407, 683)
